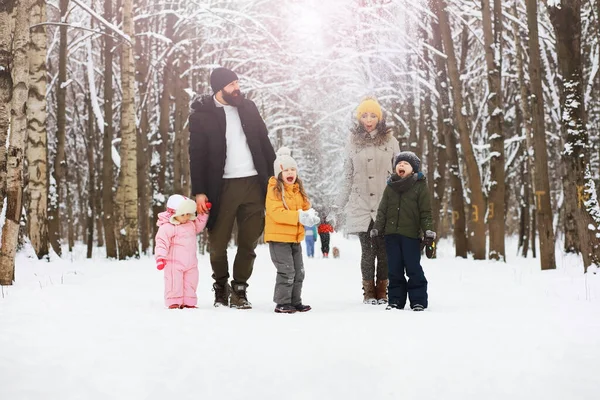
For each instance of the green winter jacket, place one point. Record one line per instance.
(405, 208)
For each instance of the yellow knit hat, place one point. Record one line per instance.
(369, 105)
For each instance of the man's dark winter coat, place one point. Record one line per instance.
(208, 148)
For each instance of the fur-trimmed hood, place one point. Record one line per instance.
(361, 138)
(206, 103)
(202, 102)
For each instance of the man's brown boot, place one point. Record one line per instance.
(238, 297)
(369, 292)
(381, 291)
(221, 294)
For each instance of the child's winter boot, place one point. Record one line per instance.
(302, 307)
(285, 309)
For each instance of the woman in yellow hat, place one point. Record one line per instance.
(369, 162)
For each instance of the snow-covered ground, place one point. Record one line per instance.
(97, 329)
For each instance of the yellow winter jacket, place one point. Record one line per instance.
(281, 224)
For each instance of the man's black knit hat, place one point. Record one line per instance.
(221, 77)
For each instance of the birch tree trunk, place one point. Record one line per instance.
(127, 192)
(581, 194)
(37, 138)
(6, 10)
(541, 182)
(108, 214)
(16, 147)
(492, 36)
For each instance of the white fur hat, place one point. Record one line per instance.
(284, 161)
(180, 205)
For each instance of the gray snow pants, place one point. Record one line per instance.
(287, 258)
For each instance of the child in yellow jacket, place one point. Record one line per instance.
(287, 211)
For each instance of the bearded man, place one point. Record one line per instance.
(231, 160)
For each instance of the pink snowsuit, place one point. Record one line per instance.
(177, 245)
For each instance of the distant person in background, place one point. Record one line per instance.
(368, 164)
(325, 229)
(310, 237)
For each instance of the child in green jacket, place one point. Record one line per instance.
(404, 214)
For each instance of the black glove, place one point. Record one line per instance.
(429, 243)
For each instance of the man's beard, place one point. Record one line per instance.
(234, 98)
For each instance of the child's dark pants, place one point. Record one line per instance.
(324, 242)
(404, 254)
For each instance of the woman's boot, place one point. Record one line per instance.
(381, 291)
(369, 292)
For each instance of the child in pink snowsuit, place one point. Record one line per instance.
(175, 250)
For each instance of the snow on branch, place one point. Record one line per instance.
(92, 87)
(100, 19)
(157, 36)
(553, 3)
(435, 51)
(115, 153)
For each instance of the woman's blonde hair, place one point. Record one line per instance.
(279, 189)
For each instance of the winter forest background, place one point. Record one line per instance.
(500, 99)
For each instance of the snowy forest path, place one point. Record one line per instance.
(98, 329)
